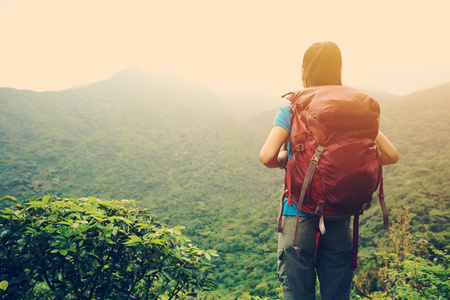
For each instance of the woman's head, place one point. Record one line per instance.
(322, 65)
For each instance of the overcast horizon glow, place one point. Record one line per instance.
(233, 46)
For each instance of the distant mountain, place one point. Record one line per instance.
(136, 80)
(381, 96)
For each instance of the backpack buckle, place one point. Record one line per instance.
(366, 205)
(316, 157)
(319, 210)
(300, 147)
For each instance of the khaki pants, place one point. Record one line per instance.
(332, 263)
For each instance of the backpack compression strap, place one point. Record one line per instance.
(306, 181)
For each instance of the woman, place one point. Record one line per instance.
(322, 65)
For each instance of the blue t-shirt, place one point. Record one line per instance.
(283, 119)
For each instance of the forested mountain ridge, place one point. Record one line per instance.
(130, 110)
(192, 158)
(419, 126)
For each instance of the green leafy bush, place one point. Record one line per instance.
(405, 266)
(89, 248)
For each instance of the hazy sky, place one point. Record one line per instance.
(230, 46)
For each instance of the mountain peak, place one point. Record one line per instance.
(130, 75)
(137, 78)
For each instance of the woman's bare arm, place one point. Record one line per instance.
(389, 154)
(269, 154)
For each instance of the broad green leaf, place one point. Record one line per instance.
(76, 215)
(32, 230)
(133, 240)
(93, 255)
(52, 217)
(167, 275)
(45, 199)
(94, 212)
(157, 241)
(150, 272)
(34, 204)
(110, 241)
(212, 252)
(68, 222)
(8, 198)
(3, 285)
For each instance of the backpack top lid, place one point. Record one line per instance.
(335, 110)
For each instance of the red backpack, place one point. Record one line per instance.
(335, 166)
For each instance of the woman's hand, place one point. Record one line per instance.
(282, 159)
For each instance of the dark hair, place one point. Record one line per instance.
(322, 64)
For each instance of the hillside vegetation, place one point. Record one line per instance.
(191, 158)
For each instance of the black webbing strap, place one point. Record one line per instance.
(383, 206)
(280, 210)
(354, 261)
